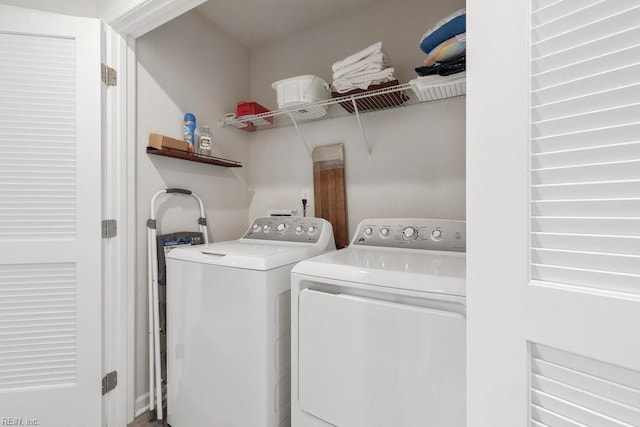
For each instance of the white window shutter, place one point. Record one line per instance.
(38, 151)
(585, 143)
(575, 391)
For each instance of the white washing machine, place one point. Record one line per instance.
(228, 324)
(378, 329)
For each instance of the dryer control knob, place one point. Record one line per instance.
(368, 231)
(409, 233)
(256, 228)
(384, 232)
(299, 229)
(282, 227)
(436, 235)
(266, 228)
(312, 230)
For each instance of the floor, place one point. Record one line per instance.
(141, 421)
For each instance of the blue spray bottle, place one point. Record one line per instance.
(189, 131)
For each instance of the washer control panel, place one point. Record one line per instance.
(286, 229)
(415, 233)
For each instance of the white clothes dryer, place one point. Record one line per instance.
(378, 328)
(228, 324)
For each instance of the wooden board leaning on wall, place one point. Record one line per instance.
(329, 189)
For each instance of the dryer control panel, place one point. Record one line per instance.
(414, 233)
(287, 229)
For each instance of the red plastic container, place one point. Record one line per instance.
(250, 108)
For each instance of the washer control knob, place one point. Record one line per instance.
(266, 228)
(256, 228)
(282, 227)
(436, 235)
(311, 230)
(384, 232)
(368, 231)
(409, 233)
(299, 229)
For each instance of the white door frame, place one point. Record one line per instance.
(128, 20)
(131, 118)
(134, 18)
(497, 165)
(117, 252)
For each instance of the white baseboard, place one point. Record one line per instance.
(142, 404)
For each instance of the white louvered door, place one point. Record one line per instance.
(555, 336)
(584, 296)
(50, 212)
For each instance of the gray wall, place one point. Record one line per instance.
(416, 169)
(417, 165)
(187, 65)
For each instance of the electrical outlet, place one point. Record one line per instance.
(306, 194)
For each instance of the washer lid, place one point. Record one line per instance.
(248, 255)
(421, 270)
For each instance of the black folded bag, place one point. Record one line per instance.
(443, 68)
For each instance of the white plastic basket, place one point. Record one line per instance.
(431, 88)
(297, 93)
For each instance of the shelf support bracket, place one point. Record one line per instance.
(364, 135)
(295, 124)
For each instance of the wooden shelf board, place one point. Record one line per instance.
(177, 154)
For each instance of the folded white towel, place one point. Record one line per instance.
(376, 62)
(344, 88)
(371, 50)
(364, 80)
(364, 76)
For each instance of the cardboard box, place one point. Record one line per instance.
(160, 142)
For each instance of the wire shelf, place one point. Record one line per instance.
(380, 99)
(402, 95)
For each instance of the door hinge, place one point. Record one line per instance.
(109, 228)
(109, 382)
(109, 76)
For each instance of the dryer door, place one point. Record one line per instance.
(365, 362)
